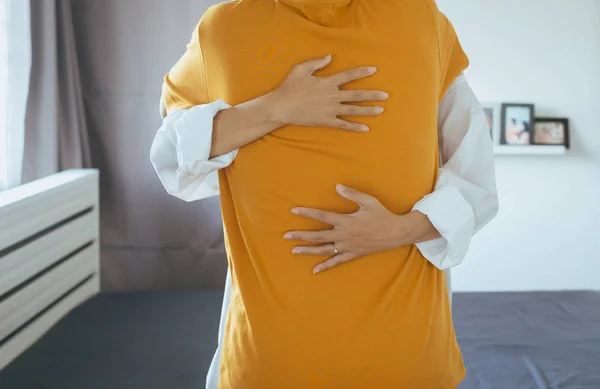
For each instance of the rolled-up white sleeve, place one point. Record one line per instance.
(181, 149)
(465, 198)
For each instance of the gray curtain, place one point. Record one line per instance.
(150, 240)
(97, 69)
(56, 136)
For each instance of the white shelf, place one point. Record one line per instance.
(529, 150)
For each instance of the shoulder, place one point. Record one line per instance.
(225, 22)
(436, 16)
(224, 14)
(414, 7)
(218, 11)
(439, 17)
(216, 17)
(420, 15)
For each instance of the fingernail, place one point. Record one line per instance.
(378, 109)
(295, 211)
(295, 250)
(340, 187)
(384, 95)
(372, 69)
(327, 57)
(316, 270)
(287, 236)
(364, 128)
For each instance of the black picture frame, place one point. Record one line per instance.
(493, 113)
(530, 122)
(563, 121)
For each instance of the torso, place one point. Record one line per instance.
(379, 322)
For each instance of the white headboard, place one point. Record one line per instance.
(49, 255)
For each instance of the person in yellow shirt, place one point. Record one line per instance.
(299, 177)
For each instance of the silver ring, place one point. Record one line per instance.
(335, 250)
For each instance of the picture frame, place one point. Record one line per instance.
(493, 115)
(518, 121)
(550, 131)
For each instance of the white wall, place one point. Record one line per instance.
(547, 234)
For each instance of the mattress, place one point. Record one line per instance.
(536, 340)
(165, 340)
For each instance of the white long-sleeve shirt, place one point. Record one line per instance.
(464, 200)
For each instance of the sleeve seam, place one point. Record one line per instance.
(203, 61)
(433, 8)
(444, 67)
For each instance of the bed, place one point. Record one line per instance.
(165, 340)
(57, 332)
(530, 340)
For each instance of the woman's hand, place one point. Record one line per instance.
(371, 229)
(307, 100)
(302, 99)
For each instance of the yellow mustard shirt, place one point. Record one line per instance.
(380, 322)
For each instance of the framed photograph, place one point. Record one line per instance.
(517, 124)
(551, 131)
(493, 113)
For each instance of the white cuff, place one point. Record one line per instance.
(194, 140)
(181, 149)
(453, 217)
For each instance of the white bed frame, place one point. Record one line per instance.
(49, 255)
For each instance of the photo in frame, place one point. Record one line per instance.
(493, 113)
(517, 124)
(551, 131)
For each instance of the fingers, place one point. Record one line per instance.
(362, 95)
(348, 126)
(321, 250)
(319, 215)
(311, 66)
(310, 236)
(333, 262)
(351, 75)
(355, 110)
(362, 199)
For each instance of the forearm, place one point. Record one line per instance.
(242, 124)
(465, 196)
(414, 227)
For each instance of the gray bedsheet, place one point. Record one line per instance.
(532, 340)
(166, 341)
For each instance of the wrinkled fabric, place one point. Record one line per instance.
(286, 327)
